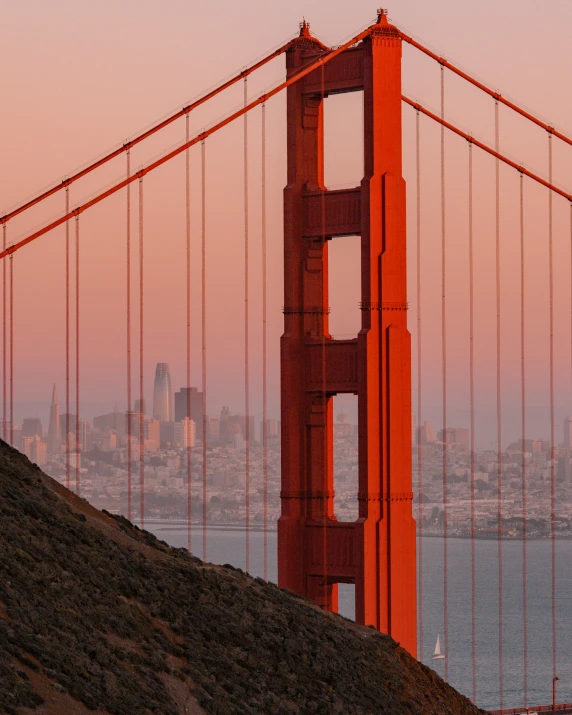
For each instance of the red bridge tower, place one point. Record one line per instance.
(315, 550)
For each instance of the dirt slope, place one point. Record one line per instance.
(98, 616)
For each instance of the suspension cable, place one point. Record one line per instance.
(419, 384)
(11, 351)
(306, 70)
(492, 93)
(204, 338)
(67, 270)
(77, 431)
(4, 393)
(444, 379)
(141, 374)
(264, 345)
(499, 414)
(149, 132)
(188, 341)
(472, 428)
(523, 438)
(128, 338)
(552, 436)
(246, 383)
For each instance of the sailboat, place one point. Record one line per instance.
(437, 655)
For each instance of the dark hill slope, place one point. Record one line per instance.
(96, 615)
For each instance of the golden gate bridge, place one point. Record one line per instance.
(378, 552)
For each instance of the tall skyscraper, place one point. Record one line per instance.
(182, 399)
(54, 440)
(162, 393)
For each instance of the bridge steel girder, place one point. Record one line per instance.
(377, 552)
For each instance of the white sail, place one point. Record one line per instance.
(437, 655)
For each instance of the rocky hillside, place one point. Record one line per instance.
(96, 615)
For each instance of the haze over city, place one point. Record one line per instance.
(292, 318)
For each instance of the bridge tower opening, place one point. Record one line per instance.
(377, 552)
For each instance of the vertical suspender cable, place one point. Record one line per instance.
(68, 476)
(499, 415)
(552, 438)
(11, 349)
(204, 338)
(472, 428)
(141, 380)
(129, 424)
(246, 383)
(419, 383)
(444, 375)
(77, 434)
(523, 442)
(4, 393)
(188, 340)
(264, 348)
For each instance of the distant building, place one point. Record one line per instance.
(425, 433)
(213, 428)
(185, 433)
(153, 436)
(191, 396)
(454, 435)
(54, 440)
(272, 430)
(65, 423)
(162, 408)
(140, 406)
(167, 434)
(35, 449)
(568, 431)
(342, 426)
(31, 426)
(225, 433)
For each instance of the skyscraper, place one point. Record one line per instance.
(162, 394)
(54, 440)
(182, 399)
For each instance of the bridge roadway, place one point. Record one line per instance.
(562, 709)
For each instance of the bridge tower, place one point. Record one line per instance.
(315, 550)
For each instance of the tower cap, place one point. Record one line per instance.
(304, 28)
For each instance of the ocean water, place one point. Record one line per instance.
(228, 546)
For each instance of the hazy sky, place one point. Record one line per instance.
(78, 81)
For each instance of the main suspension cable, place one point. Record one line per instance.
(204, 338)
(246, 383)
(188, 340)
(523, 442)
(472, 428)
(128, 338)
(444, 379)
(67, 270)
(419, 384)
(264, 345)
(146, 134)
(552, 430)
(293, 79)
(499, 414)
(141, 374)
(77, 430)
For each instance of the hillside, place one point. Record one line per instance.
(98, 616)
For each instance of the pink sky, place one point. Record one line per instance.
(78, 82)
